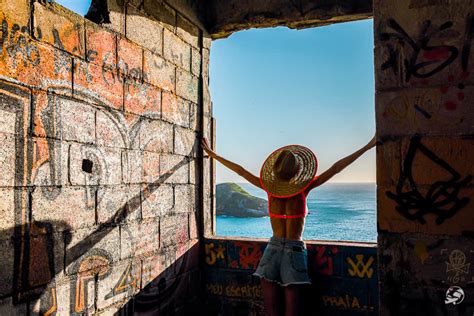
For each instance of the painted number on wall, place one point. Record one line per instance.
(213, 253)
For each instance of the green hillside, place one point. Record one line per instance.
(232, 200)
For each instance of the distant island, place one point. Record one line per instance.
(232, 200)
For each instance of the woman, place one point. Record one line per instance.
(287, 175)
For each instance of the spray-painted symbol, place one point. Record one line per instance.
(324, 260)
(360, 269)
(457, 264)
(443, 196)
(249, 254)
(454, 295)
(212, 254)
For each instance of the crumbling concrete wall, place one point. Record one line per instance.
(101, 177)
(225, 17)
(424, 88)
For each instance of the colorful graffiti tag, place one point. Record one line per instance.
(214, 253)
(360, 268)
(324, 260)
(425, 59)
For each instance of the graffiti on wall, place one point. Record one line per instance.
(457, 266)
(14, 41)
(236, 254)
(441, 199)
(168, 285)
(423, 250)
(323, 259)
(426, 109)
(236, 291)
(97, 263)
(331, 268)
(42, 161)
(360, 267)
(426, 59)
(416, 57)
(347, 301)
(214, 253)
(416, 60)
(99, 76)
(244, 255)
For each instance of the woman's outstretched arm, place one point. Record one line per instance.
(232, 166)
(340, 165)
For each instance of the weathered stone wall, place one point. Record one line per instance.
(344, 278)
(100, 186)
(424, 88)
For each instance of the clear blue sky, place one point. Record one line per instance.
(78, 6)
(272, 87)
(314, 87)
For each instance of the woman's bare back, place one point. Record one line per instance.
(290, 228)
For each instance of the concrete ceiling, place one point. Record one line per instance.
(223, 17)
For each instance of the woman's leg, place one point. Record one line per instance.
(295, 299)
(273, 298)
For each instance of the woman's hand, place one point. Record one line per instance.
(372, 143)
(341, 164)
(207, 148)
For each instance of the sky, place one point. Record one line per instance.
(276, 86)
(314, 87)
(78, 6)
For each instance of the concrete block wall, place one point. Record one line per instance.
(344, 276)
(424, 83)
(101, 176)
(104, 195)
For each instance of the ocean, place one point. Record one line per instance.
(337, 211)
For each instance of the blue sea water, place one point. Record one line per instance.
(337, 211)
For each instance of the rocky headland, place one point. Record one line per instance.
(232, 200)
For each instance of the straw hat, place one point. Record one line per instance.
(288, 170)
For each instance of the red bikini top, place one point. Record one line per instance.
(305, 210)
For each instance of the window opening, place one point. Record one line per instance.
(314, 87)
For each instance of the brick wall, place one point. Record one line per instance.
(424, 77)
(101, 175)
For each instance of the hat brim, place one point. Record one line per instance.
(300, 182)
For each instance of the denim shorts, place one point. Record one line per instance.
(285, 262)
